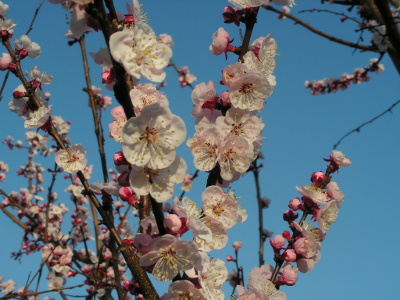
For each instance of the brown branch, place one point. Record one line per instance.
(92, 101)
(321, 33)
(13, 218)
(121, 87)
(260, 215)
(366, 123)
(392, 30)
(34, 18)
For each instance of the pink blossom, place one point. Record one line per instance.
(25, 47)
(220, 206)
(334, 192)
(204, 97)
(288, 276)
(340, 159)
(316, 194)
(166, 39)
(169, 255)
(5, 61)
(73, 159)
(317, 178)
(249, 92)
(183, 289)
(220, 42)
(295, 204)
(151, 138)
(146, 57)
(277, 242)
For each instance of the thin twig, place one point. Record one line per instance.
(321, 33)
(366, 123)
(34, 18)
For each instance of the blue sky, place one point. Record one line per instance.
(359, 254)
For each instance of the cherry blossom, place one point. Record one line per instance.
(220, 42)
(119, 121)
(249, 92)
(168, 254)
(21, 104)
(220, 206)
(25, 47)
(73, 159)
(236, 155)
(204, 97)
(38, 76)
(151, 138)
(3, 10)
(38, 118)
(183, 289)
(316, 194)
(239, 122)
(212, 279)
(340, 159)
(5, 61)
(140, 53)
(7, 27)
(145, 94)
(205, 147)
(158, 182)
(327, 215)
(166, 39)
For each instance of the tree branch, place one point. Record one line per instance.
(321, 33)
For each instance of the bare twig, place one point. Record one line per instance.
(366, 123)
(34, 18)
(321, 33)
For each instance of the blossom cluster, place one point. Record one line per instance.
(320, 200)
(226, 143)
(332, 85)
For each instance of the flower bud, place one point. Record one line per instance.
(295, 204)
(317, 178)
(230, 258)
(119, 159)
(289, 216)
(289, 255)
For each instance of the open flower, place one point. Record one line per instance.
(168, 254)
(73, 159)
(140, 53)
(249, 91)
(151, 138)
(159, 182)
(25, 47)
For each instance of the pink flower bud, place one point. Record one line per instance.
(286, 234)
(289, 216)
(172, 224)
(295, 204)
(277, 242)
(126, 194)
(317, 178)
(224, 99)
(289, 255)
(119, 159)
(5, 61)
(230, 258)
(18, 94)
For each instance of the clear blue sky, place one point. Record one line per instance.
(358, 255)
